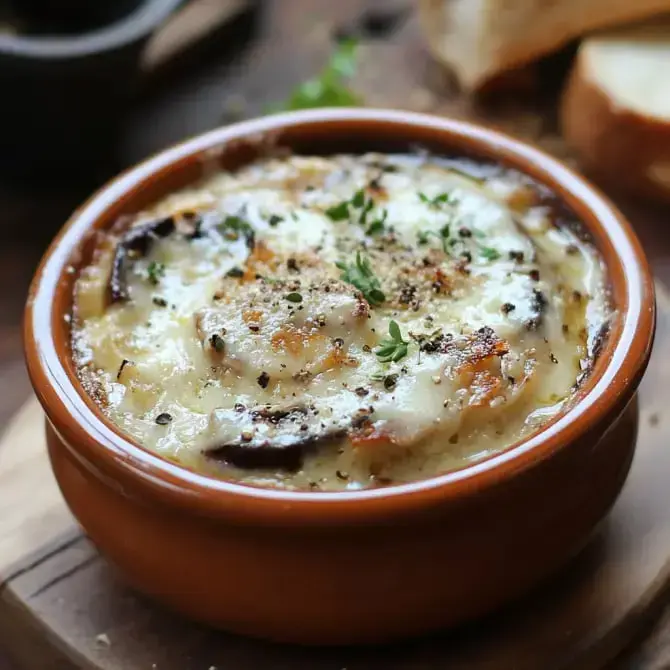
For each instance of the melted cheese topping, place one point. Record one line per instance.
(339, 323)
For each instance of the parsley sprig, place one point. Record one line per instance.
(329, 88)
(393, 348)
(360, 275)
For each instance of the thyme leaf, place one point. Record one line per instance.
(347, 208)
(378, 225)
(489, 253)
(437, 201)
(359, 199)
(443, 235)
(338, 212)
(393, 348)
(360, 275)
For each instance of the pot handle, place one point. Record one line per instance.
(193, 23)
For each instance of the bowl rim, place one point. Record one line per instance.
(132, 26)
(95, 441)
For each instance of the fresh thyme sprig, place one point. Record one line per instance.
(360, 275)
(455, 246)
(347, 209)
(489, 253)
(357, 209)
(437, 201)
(393, 348)
(444, 235)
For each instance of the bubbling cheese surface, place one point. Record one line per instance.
(328, 323)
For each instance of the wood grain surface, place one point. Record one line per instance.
(291, 41)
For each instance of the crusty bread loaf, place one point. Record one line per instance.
(479, 39)
(615, 111)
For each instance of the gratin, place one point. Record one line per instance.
(327, 323)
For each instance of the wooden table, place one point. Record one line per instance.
(291, 41)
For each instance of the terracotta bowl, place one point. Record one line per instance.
(346, 567)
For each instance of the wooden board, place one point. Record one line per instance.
(61, 607)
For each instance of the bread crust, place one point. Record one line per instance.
(620, 146)
(537, 31)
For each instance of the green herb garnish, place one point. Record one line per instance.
(360, 275)
(329, 88)
(489, 253)
(359, 199)
(393, 348)
(444, 235)
(346, 208)
(452, 244)
(274, 220)
(155, 271)
(294, 297)
(338, 212)
(366, 208)
(375, 227)
(437, 201)
(359, 205)
(234, 226)
(378, 225)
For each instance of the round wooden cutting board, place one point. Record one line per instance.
(62, 608)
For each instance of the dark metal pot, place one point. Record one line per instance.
(64, 96)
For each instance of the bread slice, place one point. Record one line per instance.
(480, 39)
(615, 110)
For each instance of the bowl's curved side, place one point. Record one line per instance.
(345, 585)
(114, 458)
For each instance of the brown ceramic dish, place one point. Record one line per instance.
(355, 566)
